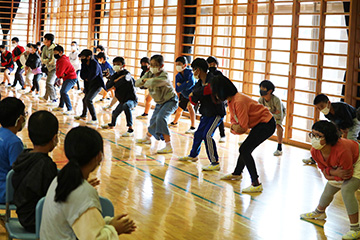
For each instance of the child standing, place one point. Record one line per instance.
(185, 83)
(277, 109)
(107, 71)
(124, 92)
(93, 82)
(66, 72)
(75, 61)
(7, 62)
(34, 169)
(34, 63)
(145, 63)
(12, 120)
(16, 53)
(212, 114)
(163, 93)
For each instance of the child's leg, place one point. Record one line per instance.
(222, 129)
(198, 137)
(348, 190)
(208, 133)
(89, 101)
(128, 106)
(67, 85)
(113, 101)
(192, 114)
(148, 99)
(104, 93)
(162, 118)
(7, 76)
(117, 111)
(178, 114)
(279, 133)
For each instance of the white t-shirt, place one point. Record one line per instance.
(58, 218)
(74, 60)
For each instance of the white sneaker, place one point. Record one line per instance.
(190, 131)
(128, 134)
(58, 109)
(69, 112)
(308, 161)
(314, 215)
(277, 153)
(166, 149)
(52, 103)
(106, 108)
(222, 140)
(351, 235)
(211, 167)
(188, 158)
(144, 140)
(92, 122)
(79, 118)
(253, 189)
(230, 176)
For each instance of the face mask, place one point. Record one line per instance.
(144, 68)
(179, 68)
(22, 124)
(212, 69)
(84, 61)
(74, 48)
(56, 56)
(117, 68)
(263, 92)
(325, 110)
(154, 70)
(13, 45)
(315, 143)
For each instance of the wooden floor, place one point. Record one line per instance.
(175, 200)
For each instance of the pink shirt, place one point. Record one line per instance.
(343, 154)
(247, 112)
(36, 70)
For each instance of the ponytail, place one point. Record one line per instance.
(69, 178)
(81, 145)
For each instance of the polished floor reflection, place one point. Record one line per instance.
(175, 200)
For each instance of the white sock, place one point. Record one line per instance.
(168, 145)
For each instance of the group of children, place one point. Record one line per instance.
(201, 86)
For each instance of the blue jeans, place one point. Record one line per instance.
(205, 132)
(158, 122)
(126, 107)
(64, 97)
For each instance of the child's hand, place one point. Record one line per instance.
(123, 224)
(94, 182)
(190, 95)
(237, 129)
(342, 173)
(178, 84)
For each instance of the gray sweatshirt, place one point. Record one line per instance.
(160, 87)
(47, 57)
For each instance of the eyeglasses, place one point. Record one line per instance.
(317, 137)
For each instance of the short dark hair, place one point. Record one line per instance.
(38, 43)
(330, 131)
(145, 60)
(59, 48)
(119, 60)
(321, 98)
(100, 47)
(181, 59)
(86, 53)
(158, 58)
(15, 39)
(222, 87)
(212, 59)
(10, 110)
(268, 85)
(74, 42)
(200, 63)
(2, 46)
(42, 127)
(50, 37)
(101, 55)
(28, 45)
(34, 46)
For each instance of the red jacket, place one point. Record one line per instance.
(16, 54)
(7, 60)
(64, 69)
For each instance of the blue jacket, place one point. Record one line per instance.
(187, 82)
(92, 75)
(107, 69)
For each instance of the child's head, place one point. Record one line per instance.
(49, 39)
(99, 49)
(118, 64)
(2, 48)
(145, 61)
(212, 62)
(12, 113)
(33, 48)
(58, 51)
(222, 88)
(266, 88)
(83, 148)
(156, 63)
(322, 103)
(199, 65)
(74, 46)
(85, 55)
(28, 47)
(101, 58)
(43, 129)
(324, 132)
(15, 41)
(181, 63)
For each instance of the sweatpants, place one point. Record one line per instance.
(35, 85)
(50, 91)
(257, 135)
(348, 189)
(205, 131)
